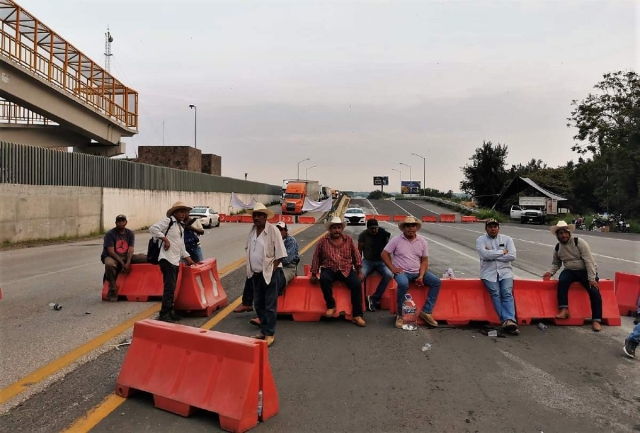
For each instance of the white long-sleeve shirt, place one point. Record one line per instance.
(272, 249)
(176, 250)
(495, 265)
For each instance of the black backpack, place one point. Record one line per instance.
(153, 250)
(575, 241)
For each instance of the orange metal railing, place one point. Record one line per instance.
(12, 113)
(31, 44)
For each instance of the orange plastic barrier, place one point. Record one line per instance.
(274, 219)
(369, 216)
(447, 218)
(370, 285)
(398, 218)
(143, 283)
(222, 217)
(306, 270)
(246, 219)
(460, 301)
(306, 220)
(233, 218)
(469, 219)
(536, 299)
(429, 219)
(305, 302)
(627, 293)
(287, 219)
(187, 368)
(201, 292)
(383, 217)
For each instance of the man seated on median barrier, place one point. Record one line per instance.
(411, 263)
(265, 251)
(632, 341)
(579, 266)
(371, 242)
(496, 254)
(337, 258)
(117, 254)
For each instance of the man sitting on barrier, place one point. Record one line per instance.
(496, 254)
(579, 266)
(170, 232)
(371, 242)
(632, 341)
(411, 263)
(337, 258)
(265, 251)
(192, 229)
(117, 254)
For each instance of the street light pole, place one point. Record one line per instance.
(424, 172)
(306, 174)
(399, 171)
(195, 125)
(410, 178)
(306, 159)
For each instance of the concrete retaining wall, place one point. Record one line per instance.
(29, 212)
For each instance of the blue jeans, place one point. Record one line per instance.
(502, 297)
(638, 307)
(429, 280)
(635, 334)
(368, 266)
(196, 253)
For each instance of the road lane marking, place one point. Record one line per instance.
(372, 207)
(96, 414)
(58, 364)
(47, 274)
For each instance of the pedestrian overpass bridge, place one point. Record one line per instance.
(52, 95)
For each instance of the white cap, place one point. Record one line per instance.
(282, 225)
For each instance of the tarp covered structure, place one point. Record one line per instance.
(519, 184)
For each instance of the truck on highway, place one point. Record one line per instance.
(296, 192)
(533, 209)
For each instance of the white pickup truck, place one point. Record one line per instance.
(527, 214)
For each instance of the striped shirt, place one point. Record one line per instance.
(342, 258)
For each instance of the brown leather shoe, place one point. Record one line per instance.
(399, 322)
(596, 326)
(359, 321)
(243, 309)
(258, 336)
(270, 339)
(255, 321)
(428, 317)
(330, 312)
(563, 314)
(112, 296)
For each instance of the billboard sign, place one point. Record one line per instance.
(410, 187)
(381, 180)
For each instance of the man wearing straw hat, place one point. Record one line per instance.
(579, 266)
(336, 257)
(170, 232)
(411, 263)
(265, 251)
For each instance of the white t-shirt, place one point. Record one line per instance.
(256, 252)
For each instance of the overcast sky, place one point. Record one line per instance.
(359, 86)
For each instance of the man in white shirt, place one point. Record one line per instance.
(496, 253)
(170, 231)
(265, 251)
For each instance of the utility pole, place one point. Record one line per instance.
(424, 172)
(195, 125)
(107, 50)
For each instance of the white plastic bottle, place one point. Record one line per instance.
(409, 314)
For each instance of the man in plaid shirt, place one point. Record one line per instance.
(337, 258)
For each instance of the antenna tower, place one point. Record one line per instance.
(107, 50)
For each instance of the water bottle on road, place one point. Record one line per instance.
(409, 314)
(55, 306)
(259, 403)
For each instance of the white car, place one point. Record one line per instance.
(355, 215)
(208, 217)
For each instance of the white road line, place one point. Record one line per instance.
(372, 207)
(580, 232)
(406, 211)
(47, 274)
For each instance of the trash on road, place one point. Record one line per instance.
(427, 346)
(542, 326)
(54, 306)
(492, 333)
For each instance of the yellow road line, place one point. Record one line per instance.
(111, 403)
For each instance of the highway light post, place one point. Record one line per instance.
(306, 159)
(195, 125)
(410, 179)
(424, 172)
(399, 171)
(306, 174)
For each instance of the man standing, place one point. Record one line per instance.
(265, 251)
(192, 229)
(337, 258)
(117, 254)
(579, 266)
(371, 242)
(411, 263)
(496, 254)
(170, 232)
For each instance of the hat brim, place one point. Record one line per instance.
(173, 209)
(401, 224)
(570, 227)
(270, 214)
(328, 225)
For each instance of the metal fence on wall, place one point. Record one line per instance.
(20, 164)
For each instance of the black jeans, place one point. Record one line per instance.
(328, 276)
(566, 278)
(169, 277)
(265, 299)
(247, 293)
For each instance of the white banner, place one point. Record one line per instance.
(238, 204)
(317, 206)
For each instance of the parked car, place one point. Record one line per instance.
(525, 214)
(355, 215)
(208, 217)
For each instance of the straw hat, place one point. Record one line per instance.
(334, 220)
(562, 225)
(177, 206)
(260, 208)
(409, 220)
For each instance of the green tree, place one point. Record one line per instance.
(608, 124)
(377, 195)
(486, 176)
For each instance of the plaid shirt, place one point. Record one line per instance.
(342, 258)
(291, 245)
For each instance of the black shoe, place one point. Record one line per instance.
(174, 316)
(371, 304)
(170, 317)
(630, 348)
(637, 320)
